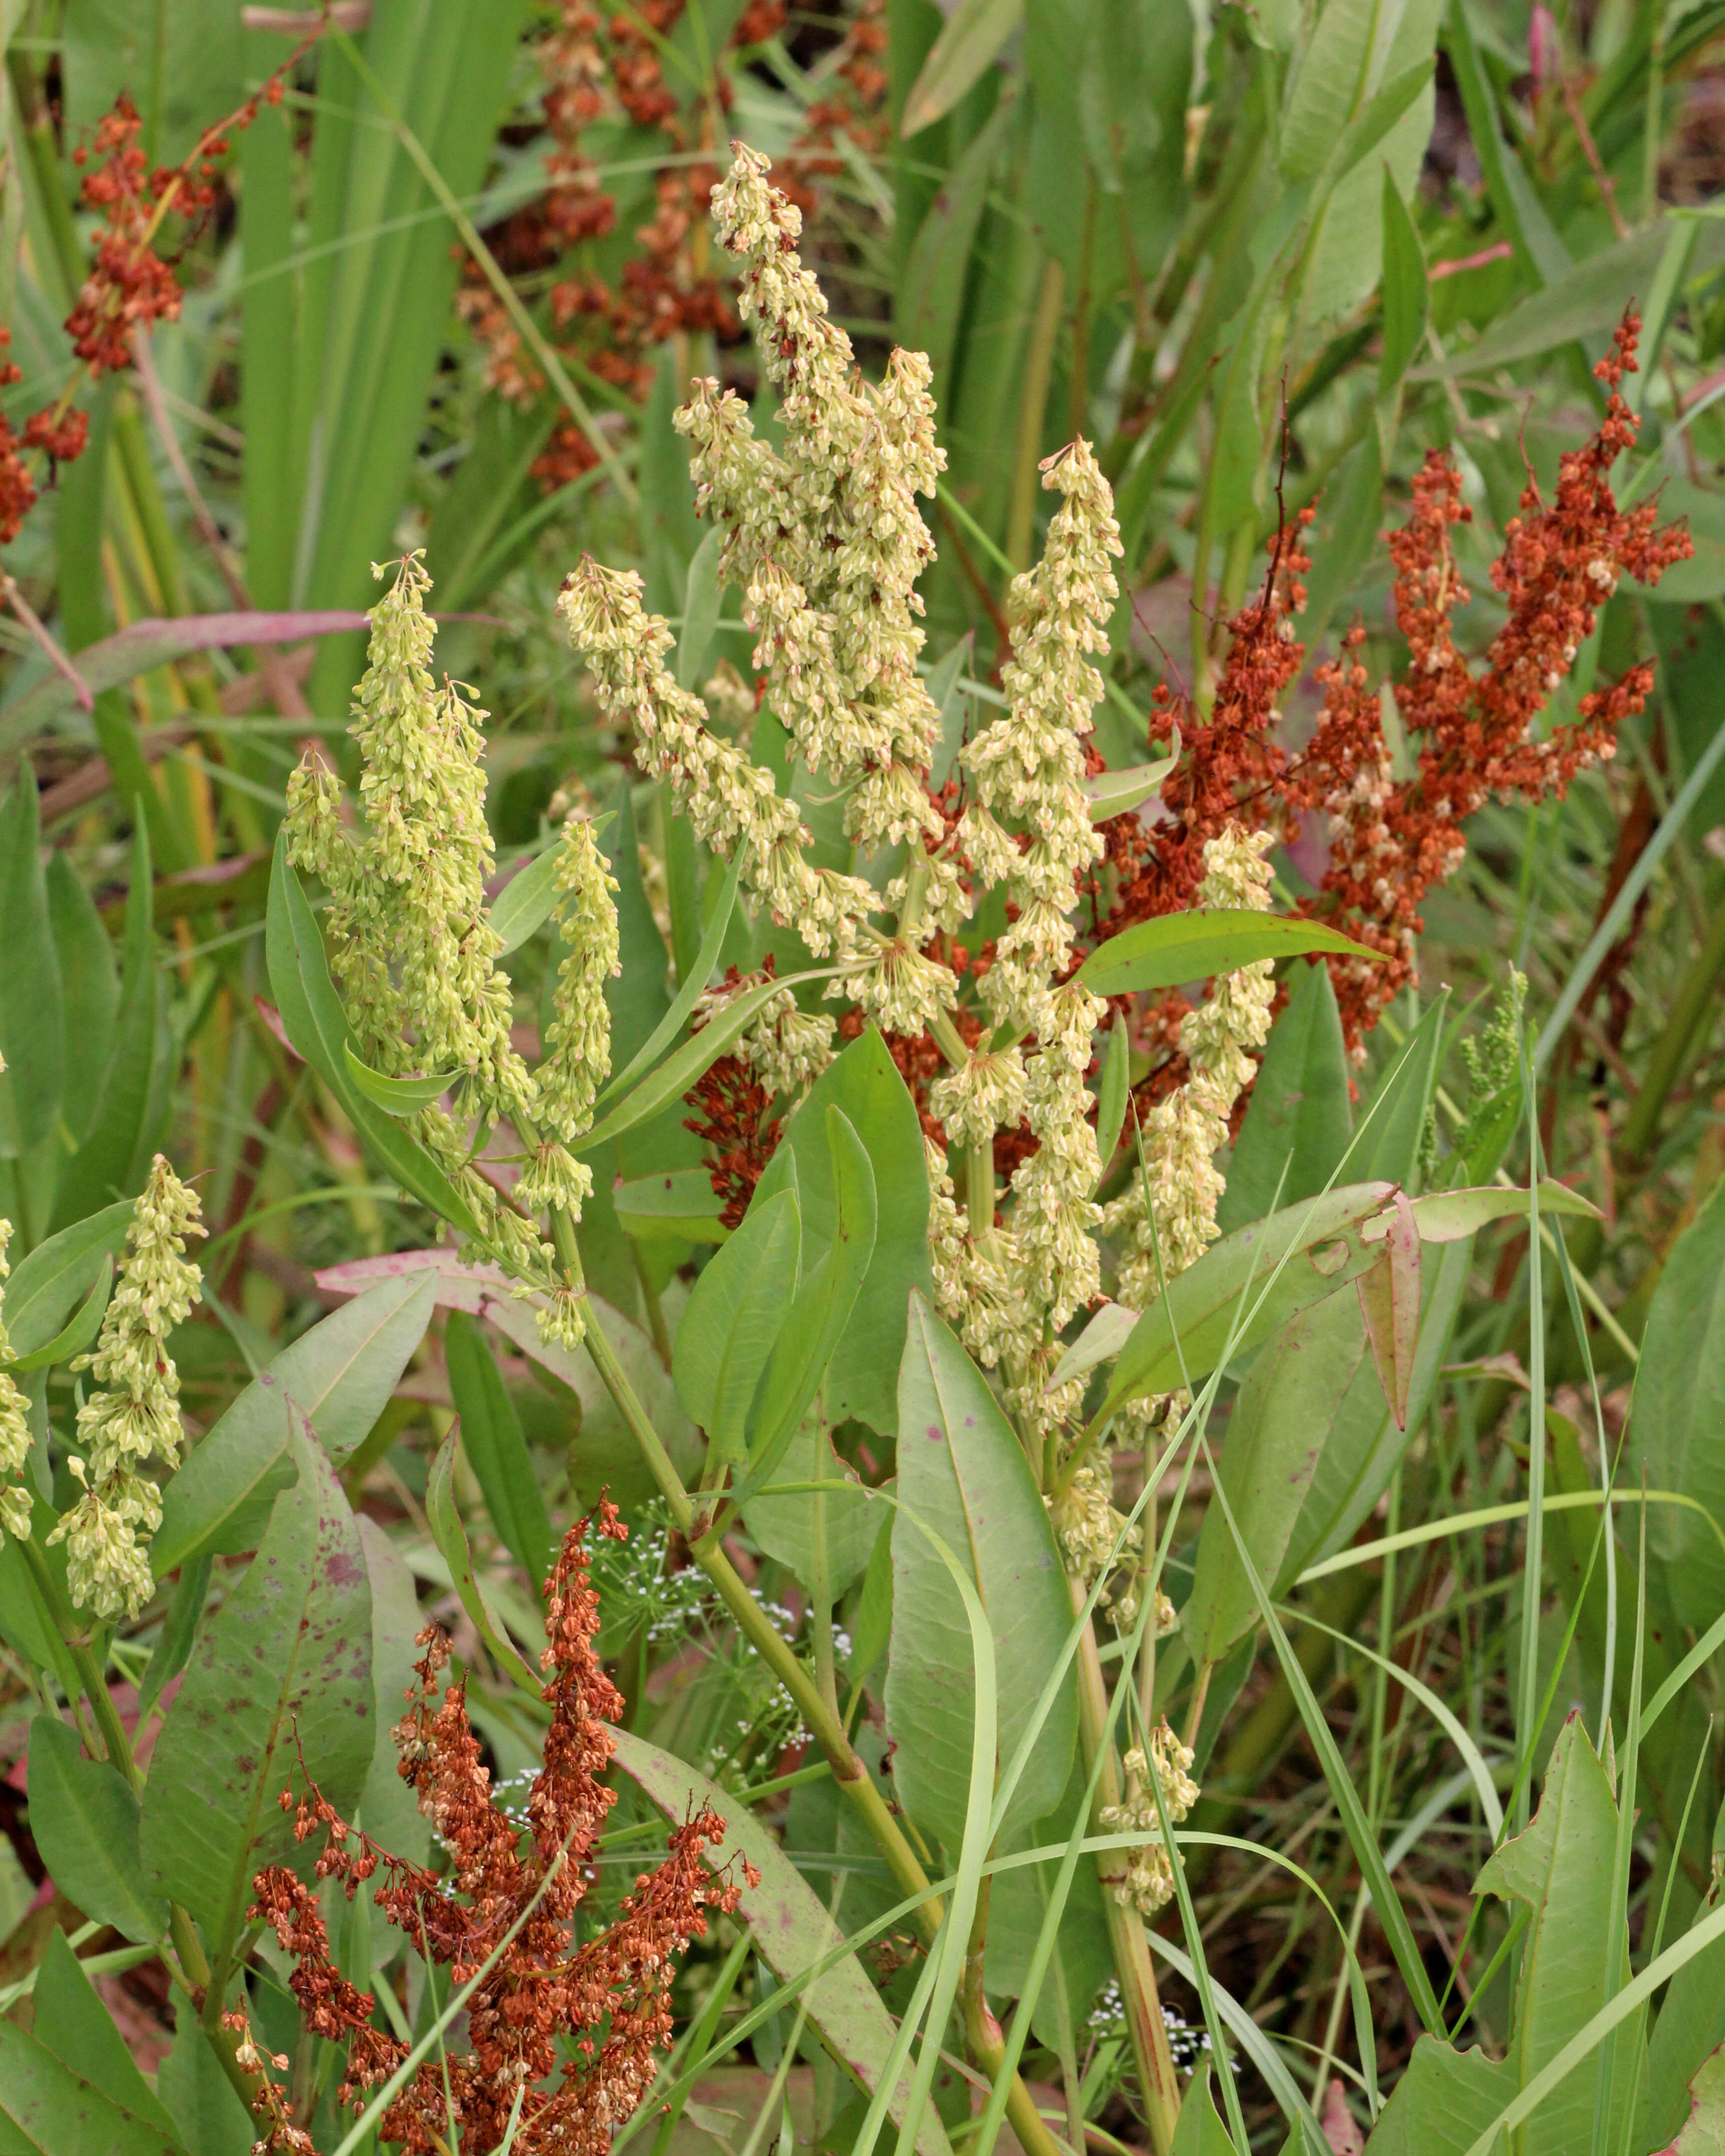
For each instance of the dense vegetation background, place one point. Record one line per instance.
(1339, 295)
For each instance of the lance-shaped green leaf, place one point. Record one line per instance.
(1318, 1247)
(963, 1475)
(1116, 793)
(524, 905)
(443, 1518)
(679, 1205)
(798, 1366)
(1114, 1093)
(334, 1381)
(693, 1060)
(864, 1083)
(1392, 1123)
(46, 1285)
(33, 1045)
(1284, 1414)
(114, 1157)
(1198, 2131)
(701, 609)
(496, 1450)
(1560, 1870)
(71, 2087)
(1388, 1294)
(1407, 309)
(604, 1453)
(738, 1307)
(1297, 1124)
(84, 1819)
(1350, 1429)
(282, 1672)
(78, 1331)
(317, 1026)
(396, 1096)
(1678, 1409)
(388, 1809)
(90, 991)
(790, 1926)
(831, 1534)
(689, 991)
(1260, 1276)
(1176, 947)
(973, 35)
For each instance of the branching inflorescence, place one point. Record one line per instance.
(997, 1033)
(825, 540)
(131, 1420)
(415, 952)
(592, 2012)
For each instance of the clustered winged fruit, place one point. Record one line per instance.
(591, 2013)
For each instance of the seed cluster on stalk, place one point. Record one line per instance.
(586, 2012)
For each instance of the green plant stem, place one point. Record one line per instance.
(654, 1310)
(77, 1639)
(1157, 2082)
(1693, 1003)
(822, 1719)
(980, 1187)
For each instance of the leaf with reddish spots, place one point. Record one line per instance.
(283, 1669)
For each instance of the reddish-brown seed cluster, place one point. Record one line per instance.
(129, 286)
(508, 1900)
(1473, 737)
(731, 1117)
(592, 68)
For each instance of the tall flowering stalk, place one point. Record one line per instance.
(414, 951)
(825, 539)
(134, 1416)
(587, 2010)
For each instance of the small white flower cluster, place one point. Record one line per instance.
(14, 1431)
(1148, 1882)
(1185, 2044)
(1182, 1132)
(134, 1417)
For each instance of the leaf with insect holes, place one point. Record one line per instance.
(280, 1674)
